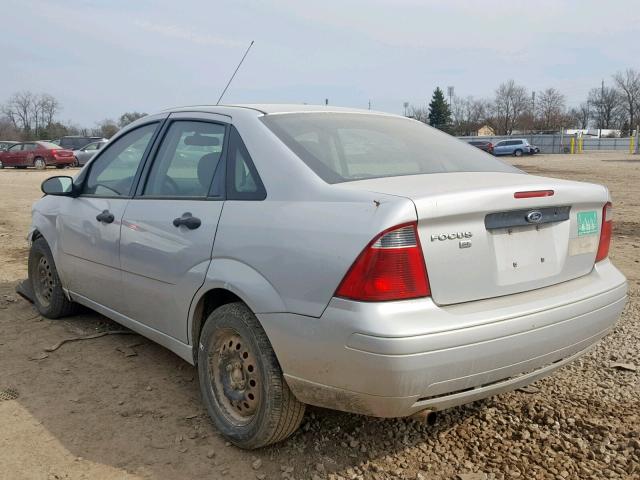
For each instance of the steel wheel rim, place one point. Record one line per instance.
(44, 281)
(235, 378)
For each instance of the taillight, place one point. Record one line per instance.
(605, 232)
(54, 152)
(391, 267)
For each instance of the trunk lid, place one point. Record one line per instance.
(477, 242)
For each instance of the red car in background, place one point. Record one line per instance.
(37, 155)
(482, 145)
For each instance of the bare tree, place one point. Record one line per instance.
(550, 109)
(106, 128)
(49, 107)
(418, 113)
(128, 117)
(19, 110)
(510, 102)
(606, 106)
(628, 86)
(469, 114)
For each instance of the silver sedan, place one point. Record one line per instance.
(315, 255)
(86, 153)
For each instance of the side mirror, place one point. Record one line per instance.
(60, 185)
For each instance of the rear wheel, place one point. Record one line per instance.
(518, 153)
(39, 163)
(48, 296)
(241, 381)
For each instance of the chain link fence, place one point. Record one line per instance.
(558, 143)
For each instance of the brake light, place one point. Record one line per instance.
(534, 194)
(54, 152)
(605, 232)
(391, 267)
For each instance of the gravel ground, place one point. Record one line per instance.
(120, 407)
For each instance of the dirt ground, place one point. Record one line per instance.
(121, 407)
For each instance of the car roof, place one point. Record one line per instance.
(274, 108)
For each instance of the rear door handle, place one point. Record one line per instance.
(105, 217)
(187, 220)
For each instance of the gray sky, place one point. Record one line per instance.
(102, 58)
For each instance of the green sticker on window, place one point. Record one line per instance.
(587, 223)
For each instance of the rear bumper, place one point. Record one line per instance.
(397, 358)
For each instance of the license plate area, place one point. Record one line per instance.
(528, 253)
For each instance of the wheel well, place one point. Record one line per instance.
(208, 303)
(35, 235)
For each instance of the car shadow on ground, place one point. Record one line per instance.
(125, 402)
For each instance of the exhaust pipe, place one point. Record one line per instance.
(427, 416)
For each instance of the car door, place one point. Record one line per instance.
(499, 148)
(12, 156)
(168, 228)
(89, 225)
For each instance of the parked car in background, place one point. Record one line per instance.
(87, 152)
(4, 144)
(35, 154)
(534, 149)
(482, 145)
(76, 142)
(516, 147)
(396, 271)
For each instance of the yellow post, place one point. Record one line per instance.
(631, 143)
(580, 143)
(573, 146)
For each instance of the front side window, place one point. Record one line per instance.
(343, 147)
(113, 172)
(186, 161)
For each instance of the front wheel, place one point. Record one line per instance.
(241, 381)
(48, 296)
(39, 164)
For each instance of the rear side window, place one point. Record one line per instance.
(243, 180)
(187, 160)
(342, 147)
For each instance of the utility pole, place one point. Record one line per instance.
(533, 109)
(406, 107)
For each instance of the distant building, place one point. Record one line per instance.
(593, 132)
(485, 131)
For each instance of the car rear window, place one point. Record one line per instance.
(343, 147)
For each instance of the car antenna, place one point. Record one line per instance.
(234, 73)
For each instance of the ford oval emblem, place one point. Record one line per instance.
(534, 217)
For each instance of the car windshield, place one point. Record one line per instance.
(343, 147)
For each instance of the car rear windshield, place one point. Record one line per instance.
(343, 147)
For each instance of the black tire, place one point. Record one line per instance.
(517, 153)
(75, 163)
(276, 413)
(48, 296)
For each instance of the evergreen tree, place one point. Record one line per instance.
(439, 111)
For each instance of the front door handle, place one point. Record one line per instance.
(105, 217)
(188, 221)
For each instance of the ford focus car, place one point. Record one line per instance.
(352, 260)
